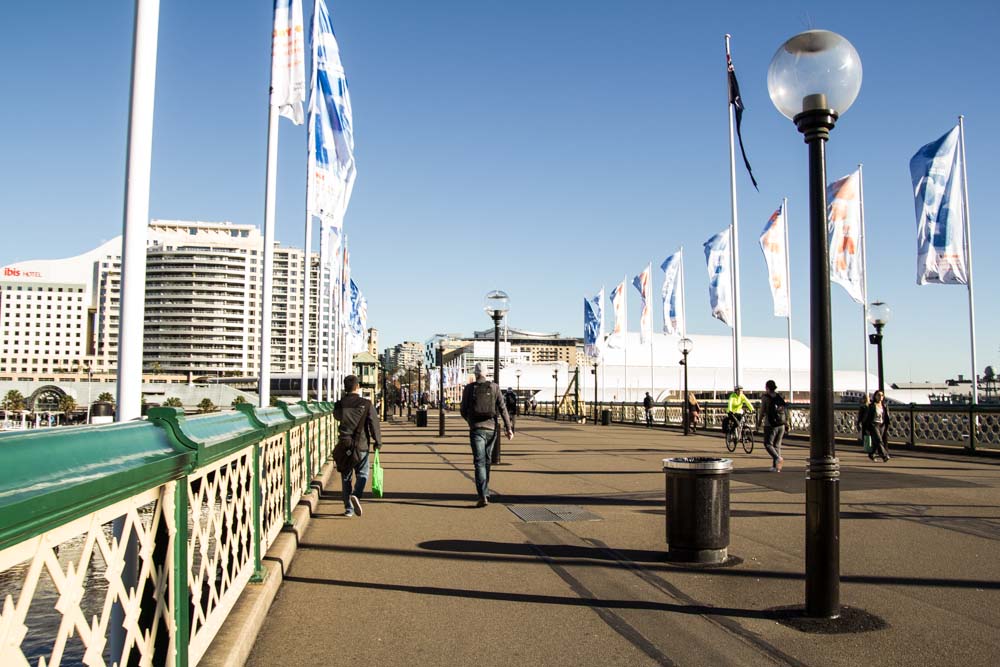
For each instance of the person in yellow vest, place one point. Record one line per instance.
(734, 410)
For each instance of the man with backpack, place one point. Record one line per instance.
(510, 400)
(358, 431)
(772, 413)
(647, 405)
(482, 405)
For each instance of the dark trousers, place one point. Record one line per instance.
(879, 447)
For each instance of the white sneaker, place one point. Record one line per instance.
(772, 469)
(356, 504)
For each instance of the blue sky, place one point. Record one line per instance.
(545, 148)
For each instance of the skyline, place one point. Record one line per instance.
(573, 105)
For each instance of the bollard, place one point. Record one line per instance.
(605, 417)
(697, 509)
(421, 417)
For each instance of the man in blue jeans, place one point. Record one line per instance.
(358, 430)
(482, 406)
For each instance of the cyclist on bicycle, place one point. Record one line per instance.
(734, 411)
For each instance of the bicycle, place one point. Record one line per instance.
(744, 437)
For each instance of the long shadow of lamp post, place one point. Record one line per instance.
(496, 304)
(813, 79)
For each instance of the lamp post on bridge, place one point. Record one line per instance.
(878, 315)
(555, 396)
(440, 362)
(596, 407)
(685, 345)
(496, 304)
(812, 80)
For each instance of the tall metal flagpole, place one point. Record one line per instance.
(306, 303)
(270, 187)
(968, 262)
(864, 273)
(649, 304)
(625, 308)
(735, 236)
(788, 290)
(322, 332)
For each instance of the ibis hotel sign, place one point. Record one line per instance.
(14, 272)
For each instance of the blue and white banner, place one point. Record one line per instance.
(288, 66)
(331, 127)
(718, 255)
(844, 234)
(356, 324)
(619, 308)
(593, 324)
(936, 171)
(772, 243)
(644, 283)
(673, 298)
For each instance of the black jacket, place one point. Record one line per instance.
(869, 423)
(349, 411)
(501, 407)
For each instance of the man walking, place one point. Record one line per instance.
(647, 404)
(358, 428)
(772, 413)
(510, 400)
(482, 404)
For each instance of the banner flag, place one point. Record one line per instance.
(288, 67)
(644, 283)
(593, 324)
(936, 170)
(772, 243)
(673, 316)
(331, 127)
(720, 284)
(844, 235)
(618, 307)
(737, 101)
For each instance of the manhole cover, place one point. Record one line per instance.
(552, 513)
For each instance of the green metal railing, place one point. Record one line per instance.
(159, 523)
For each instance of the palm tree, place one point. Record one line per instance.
(206, 405)
(238, 400)
(105, 397)
(13, 401)
(173, 402)
(67, 404)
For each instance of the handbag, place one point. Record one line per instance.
(868, 444)
(377, 476)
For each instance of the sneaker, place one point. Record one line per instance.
(356, 504)
(349, 514)
(772, 469)
(778, 466)
(483, 502)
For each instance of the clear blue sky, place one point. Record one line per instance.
(544, 148)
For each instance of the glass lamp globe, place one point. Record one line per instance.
(815, 62)
(685, 345)
(878, 313)
(496, 301)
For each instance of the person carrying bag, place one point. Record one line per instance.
(357, 429)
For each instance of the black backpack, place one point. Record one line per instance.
(776, 411)
(484, 402)
(510, 400)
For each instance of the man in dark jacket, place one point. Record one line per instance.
(482, 405)
(772, 415)
(647, 405)
(358, 429)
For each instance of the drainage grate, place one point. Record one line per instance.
(552, 513)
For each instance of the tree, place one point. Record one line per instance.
(173, 402)
(155, 368)
(13, 401)
(238, 400)
(206, 405)
(105, 397)
(67, 404)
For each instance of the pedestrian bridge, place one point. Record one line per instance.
(169, 529)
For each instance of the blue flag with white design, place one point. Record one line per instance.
(593, 324)
(718, 255)
(673, 299)
(936, 170)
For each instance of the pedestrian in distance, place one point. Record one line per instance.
(694, 409)
(647, 405)
(482, 407)
(510, 400)
(876, 427)
(359, 431)
(772, 415)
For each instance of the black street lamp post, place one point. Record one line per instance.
(878, 315)
(596, 407)
(496, 304)
(440, 361)
(555, 396)
(814, 78)
(420, 384)
(409, 393)
(685, 345)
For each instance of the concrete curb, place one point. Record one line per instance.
(232, 645)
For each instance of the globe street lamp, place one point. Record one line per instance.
(496, 304)
(878, 315)
(594, 371)
(409, 393)
(555, 396)
(440, 362)
(813, 79)
(517, 374)
(685, 346)
(420, 384)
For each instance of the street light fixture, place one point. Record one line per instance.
(878, 315)
(440, 362)
(596, 407)
(685, 345)
(813, 79)
(555, 396)
(496, 304)
(420, 384)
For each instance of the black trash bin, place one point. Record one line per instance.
(697, 509)
(605, 417)
(421, 418)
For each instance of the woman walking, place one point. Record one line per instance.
(693, 411)
(876, 426)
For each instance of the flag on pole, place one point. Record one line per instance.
(593, 324)
(737, 101)
(772, 243)
(720, 285)
(618, 307)
(288, 68)
(644, 283)
(673, 316)
(331, 127)
(936, 171)
(844, 235)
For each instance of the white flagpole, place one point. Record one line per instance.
(649, 304)
(270, 186)
(735, 236)
(306, 303)
(864, 272)
(788, 291)
(136, 216)
(625, 308)
(968, 262)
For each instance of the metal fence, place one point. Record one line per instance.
(908, 424)
(131, 543)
